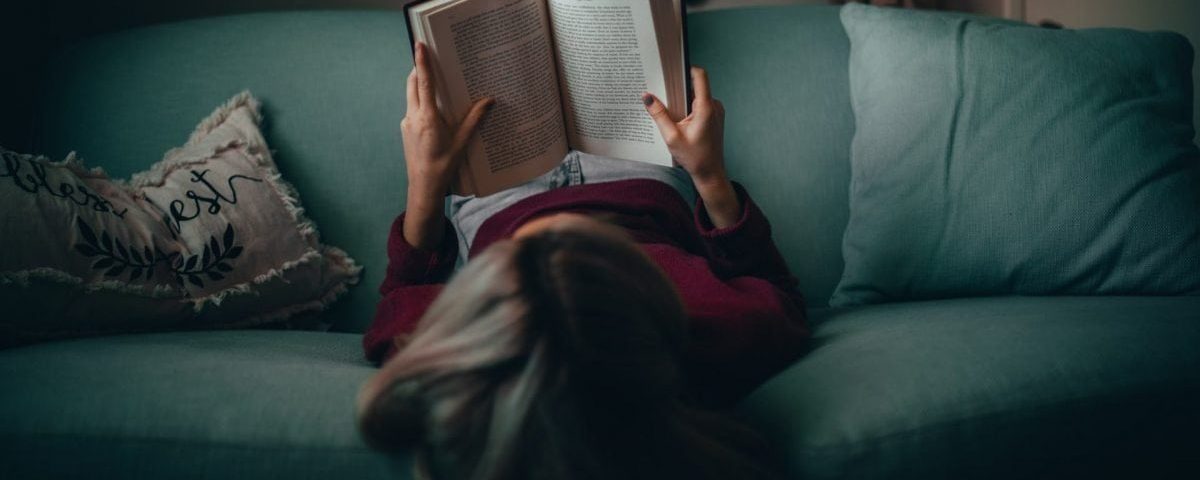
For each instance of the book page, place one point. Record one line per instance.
(607, 56)
(668, 21)
(500, 49)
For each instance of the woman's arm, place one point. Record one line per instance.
(744, 247)
(421, 246)
(736, 233)
(414, 279)
(748, 318)
(433, 152)
(697, 144)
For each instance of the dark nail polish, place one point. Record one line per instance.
(648, 100)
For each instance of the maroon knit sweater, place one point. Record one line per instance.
(747, 318)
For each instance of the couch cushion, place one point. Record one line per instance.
(1018, 387)
(781, 73)
(228, 404)
(332, 82)
(999, 158)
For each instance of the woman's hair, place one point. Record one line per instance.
(554, 356)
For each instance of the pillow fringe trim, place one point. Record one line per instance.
(244, 288)
(278, 316)
(158, 172)
(71, 162)
(344, 269)
(334, 292)
(349, 270)
(23, 278)
(222, 113)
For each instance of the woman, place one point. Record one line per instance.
(597, 314)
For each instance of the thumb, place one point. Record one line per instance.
(661, 117)
(471, 122)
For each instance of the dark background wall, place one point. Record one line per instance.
(31, 29)
(84, 17)
(23, 44)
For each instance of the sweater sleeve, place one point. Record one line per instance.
(414, 279)
(749, 320)
(744, 248)
(409, 265)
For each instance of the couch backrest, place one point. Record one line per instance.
(331, 84)
(782, 74)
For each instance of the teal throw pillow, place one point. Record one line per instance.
(996, 158)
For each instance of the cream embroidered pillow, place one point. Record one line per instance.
(211, 236)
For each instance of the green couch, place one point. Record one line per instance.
(1001, 387)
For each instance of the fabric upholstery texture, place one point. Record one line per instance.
(973, 388)
(1016, 387)
(781, 73)
(224, 404)
(943, 389)
(210, 236)
(333, 118)
(997, 158)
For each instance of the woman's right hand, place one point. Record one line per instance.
(697, 143)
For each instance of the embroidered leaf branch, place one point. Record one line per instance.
(115, 258)
(211, 263)
(112, 256)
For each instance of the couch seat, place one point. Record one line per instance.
(973, 388)
(222, 404)
(1017, 387)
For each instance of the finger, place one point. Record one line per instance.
(468, 125)
(414, 102)
(658, 112)
(702, 101)
(687, 120)
(424, 79)
(700, 83)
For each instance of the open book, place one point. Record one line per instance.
(564, 74)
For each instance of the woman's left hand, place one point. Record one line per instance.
(433, 151)
(697, 143)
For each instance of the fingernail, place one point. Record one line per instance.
(647, 99)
